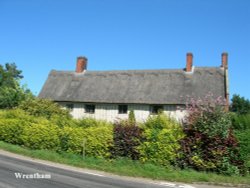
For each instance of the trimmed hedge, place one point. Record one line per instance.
(206, 143)
(160, 145)
(92, 141)
(11, 130)
(18, 127)
(41, 136)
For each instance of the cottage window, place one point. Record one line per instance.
(90, 108)
(123, 109)
(155, 109)
(70, 107)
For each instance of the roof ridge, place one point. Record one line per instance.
(135, 70)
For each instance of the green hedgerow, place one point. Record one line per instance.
(91, 141)
(161, 135)
(41, 135)
(43, 108)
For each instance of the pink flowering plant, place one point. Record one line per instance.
(209, 144)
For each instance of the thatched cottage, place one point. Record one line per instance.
(110, 95)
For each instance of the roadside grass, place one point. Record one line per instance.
(126, 167)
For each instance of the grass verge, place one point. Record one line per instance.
(126, 167)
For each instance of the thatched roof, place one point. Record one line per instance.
(134, 86)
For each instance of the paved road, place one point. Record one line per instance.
(61, 178)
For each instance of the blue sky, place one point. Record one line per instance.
(125, 34)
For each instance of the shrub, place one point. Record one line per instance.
(12, 123)
(210, 144)
(241, 122)
(92, 141)
(91, 122)
(11, 130)
(161, 135)
(127, 138)
(131, 117)
(72, 139)
(244, 143)
(43, 108)
(41, 136)
(20, 115)
(62, 121)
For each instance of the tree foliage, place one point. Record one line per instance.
(240, 105)
(11, 92)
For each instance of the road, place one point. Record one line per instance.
(61, 177)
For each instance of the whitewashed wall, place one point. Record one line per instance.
(110, 113)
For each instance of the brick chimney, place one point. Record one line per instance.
(81, 64)
(189, 62)
(224, 62)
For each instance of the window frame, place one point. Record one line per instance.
(153, 108)
(70, 106)
(122, 110)
(89, 108)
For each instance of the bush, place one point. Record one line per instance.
(131, 117)
(12, 123)
(127, 138)
(210, 144)
(91, 122)
(11, 130)
(241, 122)
(161, 135)
(43, 108)
(41, 136)
(91, 141)
(244, 143)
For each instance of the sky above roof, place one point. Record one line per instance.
(43, 35)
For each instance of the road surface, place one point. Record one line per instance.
(16, 172)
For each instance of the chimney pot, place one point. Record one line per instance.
(224, 60)
(81, 64)
(189, 64)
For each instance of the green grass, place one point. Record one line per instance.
(126, 167)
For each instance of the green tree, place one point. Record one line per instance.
(240, 105)
(11, 92)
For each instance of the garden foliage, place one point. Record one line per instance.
(206, 141)
(210, 144)
(43, 108)
(93, 141)
(127, 136)
(160, 140)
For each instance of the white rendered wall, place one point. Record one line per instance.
(109, 112)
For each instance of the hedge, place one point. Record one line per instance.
(41, 136)
(161, 136)
(91, 141)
